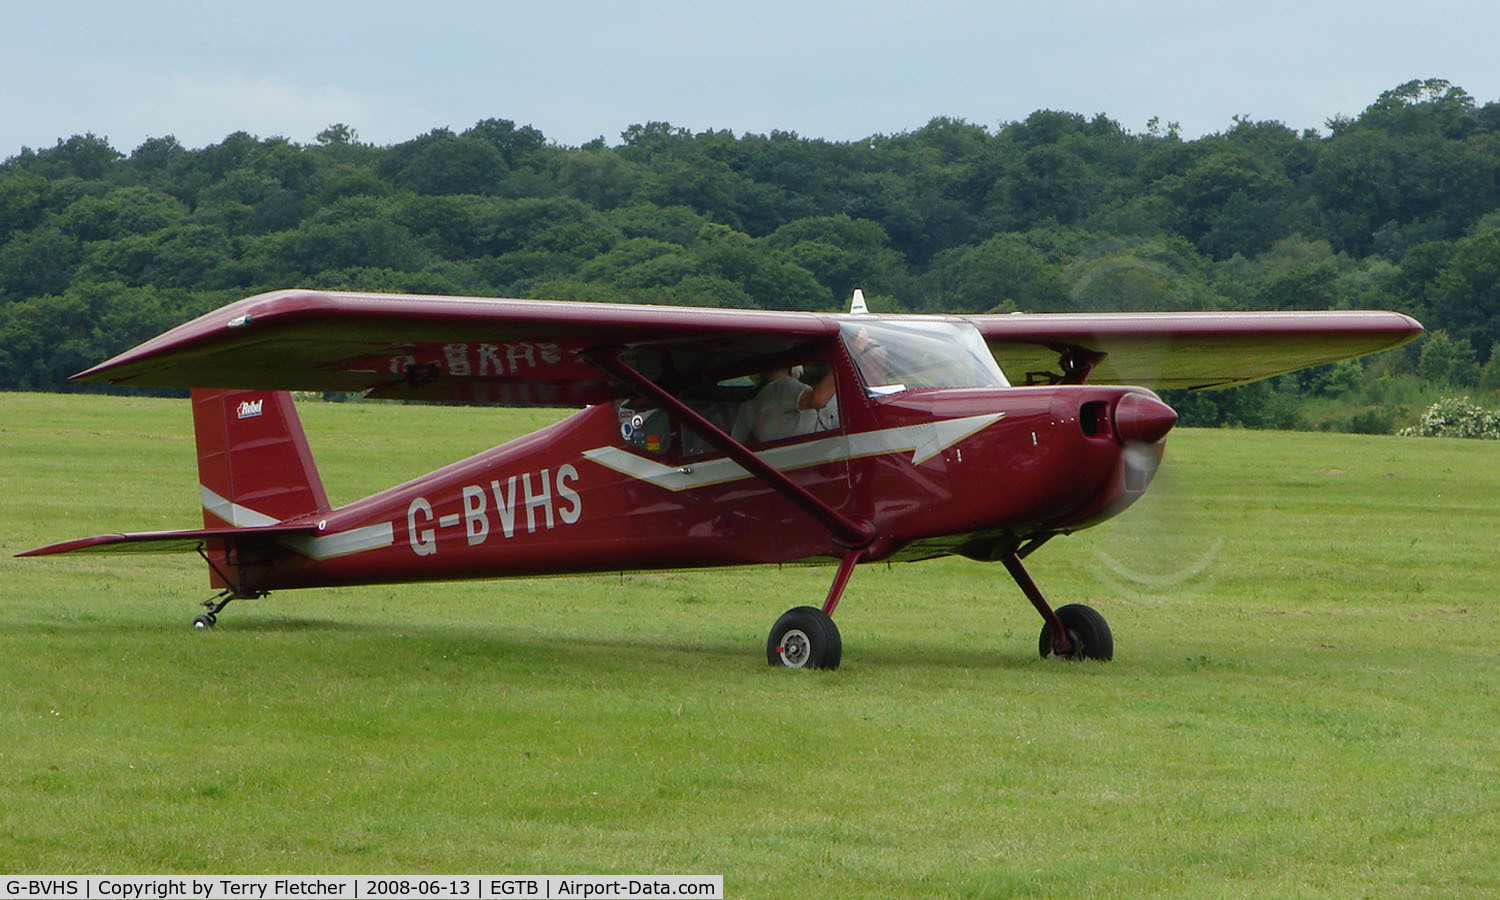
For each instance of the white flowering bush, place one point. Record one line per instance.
(1456, 417)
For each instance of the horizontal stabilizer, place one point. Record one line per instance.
(171, 541)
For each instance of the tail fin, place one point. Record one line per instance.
(254, 464)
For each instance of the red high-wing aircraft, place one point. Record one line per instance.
(902, 439)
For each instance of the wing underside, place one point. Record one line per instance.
(514, 352)
(1164, 351)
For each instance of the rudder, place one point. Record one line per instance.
(254, 463)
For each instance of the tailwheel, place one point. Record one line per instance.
(214, 607)
(804, 638)
(1087, 633)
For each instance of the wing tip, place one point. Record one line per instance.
(98, 540)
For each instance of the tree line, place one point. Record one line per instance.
(1398, 208)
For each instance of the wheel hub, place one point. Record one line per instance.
(795, 648)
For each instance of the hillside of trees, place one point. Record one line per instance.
(1398, 208)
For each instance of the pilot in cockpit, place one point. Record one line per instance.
(786, 406)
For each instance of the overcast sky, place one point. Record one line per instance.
(577, 70)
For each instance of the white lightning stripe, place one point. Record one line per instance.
(925, 440)
(233, 513)
(323, 546)
(355, 540)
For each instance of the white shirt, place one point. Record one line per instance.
(772, 414)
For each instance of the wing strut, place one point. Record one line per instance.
(851, 533)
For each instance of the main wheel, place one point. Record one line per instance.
(1088, 634)
(804, 638)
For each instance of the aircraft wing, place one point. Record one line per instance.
(529, 352)
(518, 352)
(1189, 350)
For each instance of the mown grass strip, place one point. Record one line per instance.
(1303, 701)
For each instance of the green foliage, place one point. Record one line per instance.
(1118, 274)
(440, 162)
(1271, 404)
(1393, 209)
(122, 211)
(23, 202)
(37, 262)
(1489, 375)
(1465, 294)
(1445, 359)
(1339, 378)
(45, 339)
(1003, 270)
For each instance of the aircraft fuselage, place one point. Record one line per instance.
(935, 472)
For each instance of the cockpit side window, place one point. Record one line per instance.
(788, 402)
(778, 404)
(917, 353)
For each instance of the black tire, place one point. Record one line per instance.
(1088, 634)
(804, 638)
(207, 620)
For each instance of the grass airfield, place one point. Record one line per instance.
(1304, 701)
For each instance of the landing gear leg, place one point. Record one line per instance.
(1074, 631)
(215, 605)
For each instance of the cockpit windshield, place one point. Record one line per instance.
(918, 353)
